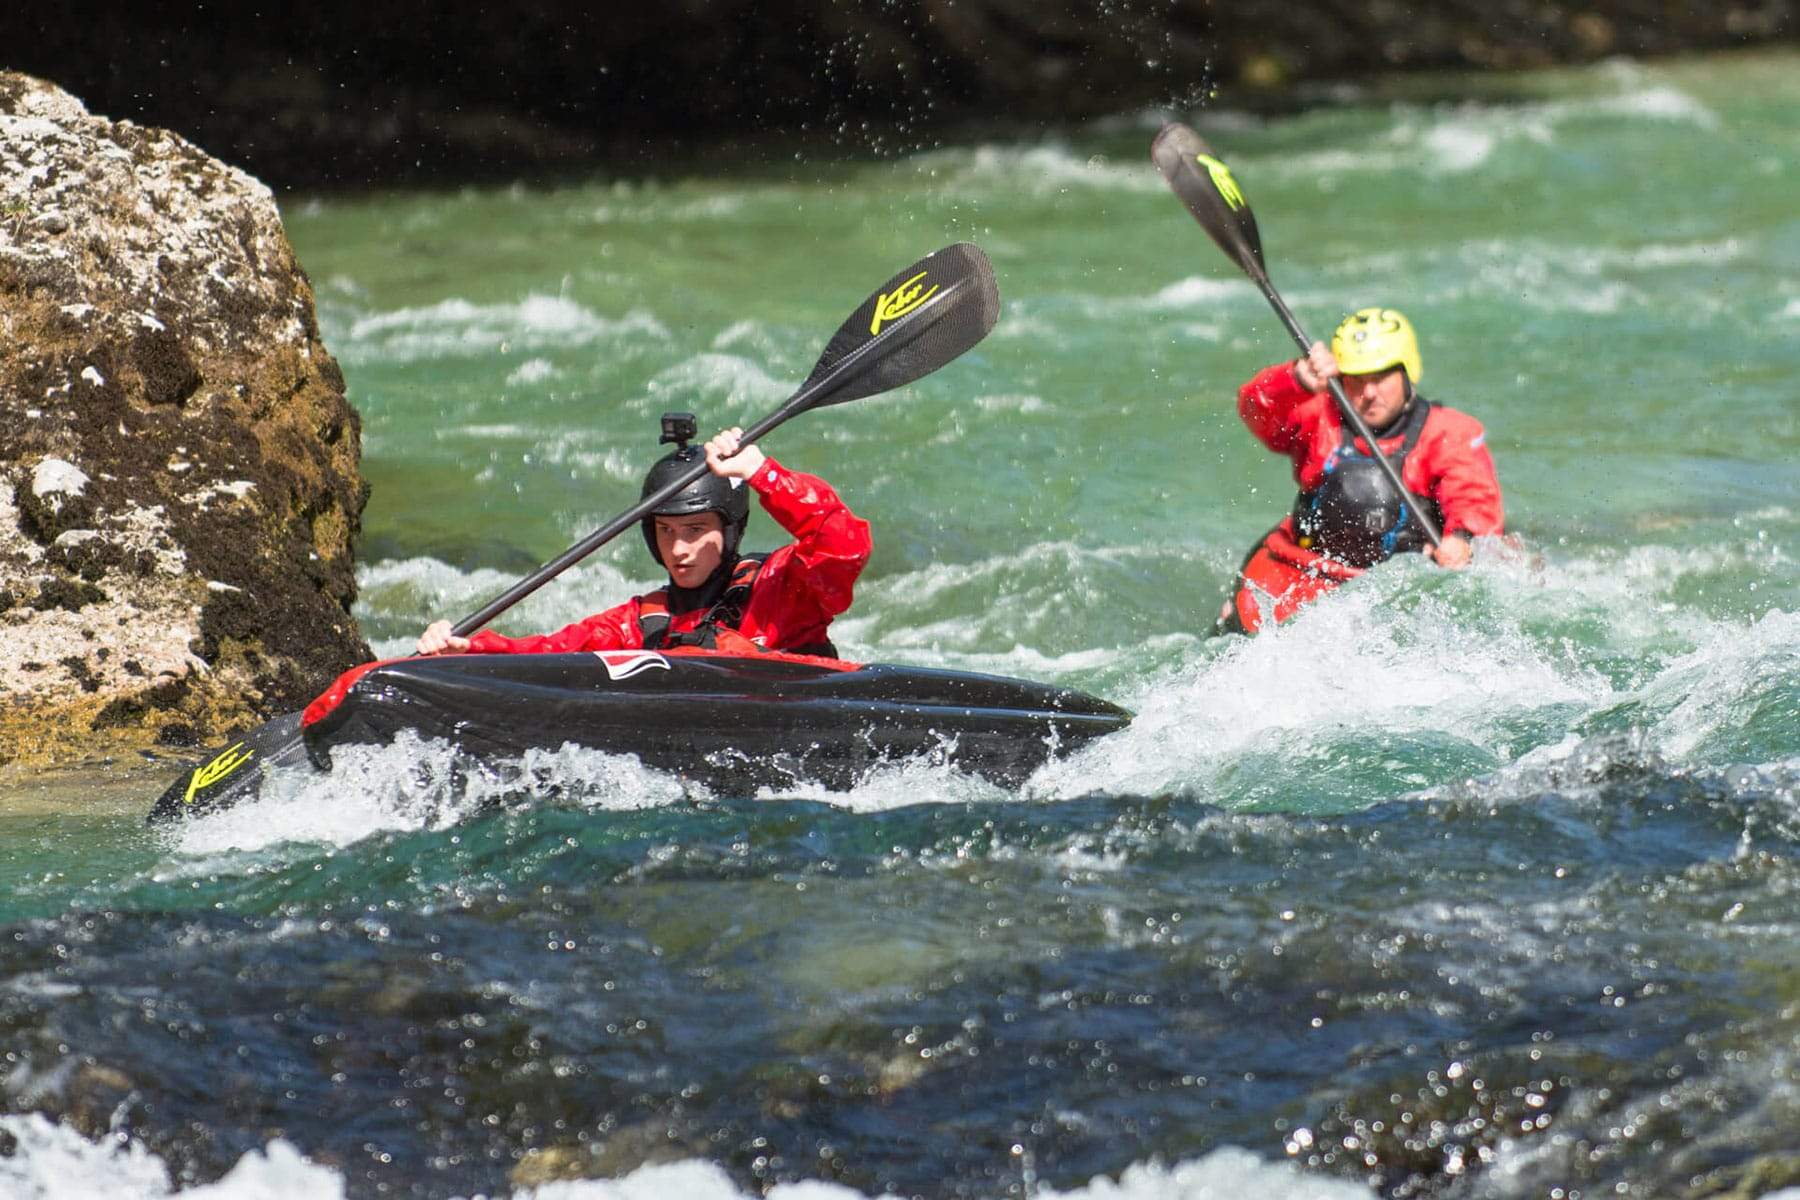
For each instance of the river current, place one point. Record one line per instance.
(1474, 885)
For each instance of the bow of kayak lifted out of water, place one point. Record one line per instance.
(724, 719)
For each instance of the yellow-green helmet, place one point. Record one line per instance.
(1370, 340)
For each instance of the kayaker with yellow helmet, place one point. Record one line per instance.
(1347, 517)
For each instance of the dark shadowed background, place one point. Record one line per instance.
(342, 95)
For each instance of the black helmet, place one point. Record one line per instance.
(709, 493)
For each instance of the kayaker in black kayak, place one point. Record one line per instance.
(718, 598)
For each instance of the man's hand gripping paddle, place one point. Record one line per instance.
(1206, 186)
(919, 320)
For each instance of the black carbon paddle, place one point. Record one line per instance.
(1206, 186)
(919, 320)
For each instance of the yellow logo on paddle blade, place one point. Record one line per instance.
(1222, 180)
(891, 306)
(217, 769)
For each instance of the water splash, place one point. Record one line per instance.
(1405, 689)
(421, 784)
(460, 329)
(51, 1162)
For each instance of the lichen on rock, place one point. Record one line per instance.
(180, 492)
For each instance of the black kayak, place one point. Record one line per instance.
(728, 722)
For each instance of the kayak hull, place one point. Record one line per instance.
(729, 723)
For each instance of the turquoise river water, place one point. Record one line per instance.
(1480, 884)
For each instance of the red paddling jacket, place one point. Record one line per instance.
(792, 594)
(1449, 466)
(1443, 460)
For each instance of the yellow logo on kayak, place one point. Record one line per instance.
(1222, 180)
(890, 306)
(217, 769)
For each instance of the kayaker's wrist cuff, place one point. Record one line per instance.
(767, 475)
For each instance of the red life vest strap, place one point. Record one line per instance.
(723, 617)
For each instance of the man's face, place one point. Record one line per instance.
(691, 546)
(1378, 397)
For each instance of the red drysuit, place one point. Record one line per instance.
(1448, 466)
(792, 597)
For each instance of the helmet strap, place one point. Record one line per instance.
(734, 535)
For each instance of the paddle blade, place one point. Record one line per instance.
(1206, 186)
(922, 318)
(236, 773)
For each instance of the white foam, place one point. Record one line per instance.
(1021, 326)
(1201, 331)
(52, 1162)
(368, 791)
(532, 370)
(1544, 277)
(928, 777)
(55, 1163)
(1653, 103)
(1457, 147)
(1461, 138)
(1792, 310)
(1041, 170)
(1053, 317)
(456, 328)
(426, 589)
(1227, 1172)
(1675, 254)
(595, 457)
(657, 208)
(1711, 690)
(494, 432)
(727, 384)
(1312, 167)
(1351, 665)
(754, 339)
(1574, 766)
(1199, 290)
(1627, 591)
(411, 784)
(1410, 650)
(1020, 404)
(923, 588)
(1589, 262)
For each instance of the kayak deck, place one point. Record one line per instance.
(730, 723)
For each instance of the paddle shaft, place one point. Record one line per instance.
(1361, 427)
(1215, 200)
(842, 372)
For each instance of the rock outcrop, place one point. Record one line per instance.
(179, 484)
